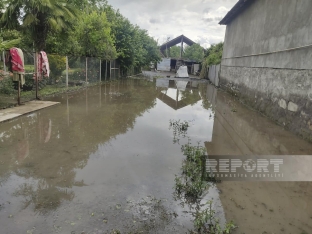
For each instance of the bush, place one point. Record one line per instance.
(57, 65)
(7, 86)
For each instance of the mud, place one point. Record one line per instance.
(105, 161)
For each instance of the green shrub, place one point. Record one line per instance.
(7, 86)
(57, 65)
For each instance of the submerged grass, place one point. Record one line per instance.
(192, 185)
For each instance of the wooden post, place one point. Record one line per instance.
(100, 95)
(36, 74)
(19, 91)
(66, 72)
(67, 111)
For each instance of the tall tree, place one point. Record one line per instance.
(194, 52)
(175, 52)
(94, 35)
(213, 55)
(39, 17)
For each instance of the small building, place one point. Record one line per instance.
(173, 64)
(267, 59)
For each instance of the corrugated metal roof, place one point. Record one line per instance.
(239, 7)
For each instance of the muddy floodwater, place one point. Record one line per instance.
(105, 161)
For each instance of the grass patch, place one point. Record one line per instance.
(29, 68)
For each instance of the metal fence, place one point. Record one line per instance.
(66, 73)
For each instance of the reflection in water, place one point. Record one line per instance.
(111, 145)
(55, 146)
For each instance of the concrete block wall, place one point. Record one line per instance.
(267, 61)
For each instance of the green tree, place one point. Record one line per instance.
(213, 56)
(175, 52)
(94, 35)
(134, 47)
(4, 45)
(194, 52)
(39, 17)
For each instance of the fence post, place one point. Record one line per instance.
(100, 70)
(3, 57)
(110, 69)
(36, 74)
(106, 70)
(66, 71)
(86, 69)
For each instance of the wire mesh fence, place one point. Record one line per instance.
(66, 73)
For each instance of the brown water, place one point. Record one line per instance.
(106, 159)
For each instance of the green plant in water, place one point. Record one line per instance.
(179, 129)
(206, 222)
(193, 183)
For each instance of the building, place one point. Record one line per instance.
(173, 64)
(267, 59)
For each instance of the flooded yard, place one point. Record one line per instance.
(106, 161)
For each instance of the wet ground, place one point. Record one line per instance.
(106, 159)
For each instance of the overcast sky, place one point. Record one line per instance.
(196, 19)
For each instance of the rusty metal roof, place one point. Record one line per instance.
(239, 7)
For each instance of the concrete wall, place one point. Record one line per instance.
(267, 61)
(213, 74)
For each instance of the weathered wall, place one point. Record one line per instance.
(213, 74)
(263, 65)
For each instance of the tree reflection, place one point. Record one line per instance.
(46, 151)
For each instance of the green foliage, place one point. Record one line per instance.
(4, 45)
(57, 65)
(89, 28)
(213, 56)
(194, 52)
(175, 52)
(179, 129)
(93, 33)
(39, 18)
(6, 86)
(206, 222)
(192, 186)
(9, 38)
(134, 46)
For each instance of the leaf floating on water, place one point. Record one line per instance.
(92, 214)
(104, 220)
(118, 206)
(72, 224)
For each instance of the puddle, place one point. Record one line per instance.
(106, 160)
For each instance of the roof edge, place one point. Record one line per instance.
(237, 9)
